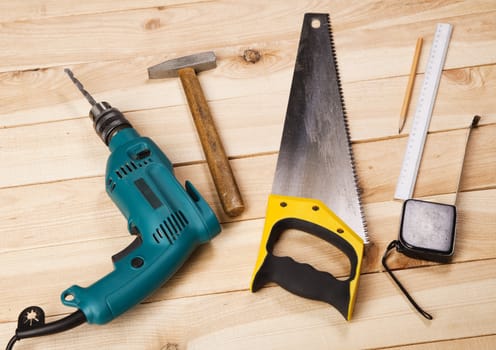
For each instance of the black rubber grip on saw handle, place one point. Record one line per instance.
(303, 279)
(306, 281)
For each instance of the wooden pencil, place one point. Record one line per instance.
(409, 88)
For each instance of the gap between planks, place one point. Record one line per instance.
(483, 342)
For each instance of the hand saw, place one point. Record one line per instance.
(315, 186)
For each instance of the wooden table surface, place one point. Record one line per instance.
(58, 227)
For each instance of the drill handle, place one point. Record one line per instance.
(139, 270)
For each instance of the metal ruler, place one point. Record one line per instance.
(423, 113)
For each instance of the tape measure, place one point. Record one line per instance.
(423, 113)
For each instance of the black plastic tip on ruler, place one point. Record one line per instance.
(80, 86)
(475, 121)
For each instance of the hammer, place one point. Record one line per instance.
(186, 68)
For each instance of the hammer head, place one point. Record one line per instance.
(169, 69)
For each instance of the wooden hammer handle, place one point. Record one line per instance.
(217, 160)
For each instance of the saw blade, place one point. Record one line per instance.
(316, 159)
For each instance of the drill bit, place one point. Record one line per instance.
(106, 119)
(80, 86)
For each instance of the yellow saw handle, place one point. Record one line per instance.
(314, 217)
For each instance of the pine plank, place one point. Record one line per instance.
(38, 9)
(79, 210)
(62, 41)
(470, 86)
(83, 154)
(47, 95)
(480, 343)
(71, 149)
(41, 9)
(379, 163)
(30, 209)
(381, 324)
(376, 177)
(279, 320)
(255, 103)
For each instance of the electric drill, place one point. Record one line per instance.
(168, 220)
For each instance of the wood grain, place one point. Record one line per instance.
(62, 41)
(207, 272)
(58, 226)
(36, 9)
(83, 154)
(482, 343)
(275, 317)
(45, 96)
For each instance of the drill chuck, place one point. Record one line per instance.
(107, 120)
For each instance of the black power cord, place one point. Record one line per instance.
(31, 323)
(11, 343)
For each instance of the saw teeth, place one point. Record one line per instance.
(347, 128)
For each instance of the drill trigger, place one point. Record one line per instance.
(123, 253)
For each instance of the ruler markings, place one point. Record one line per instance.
(423, 112)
